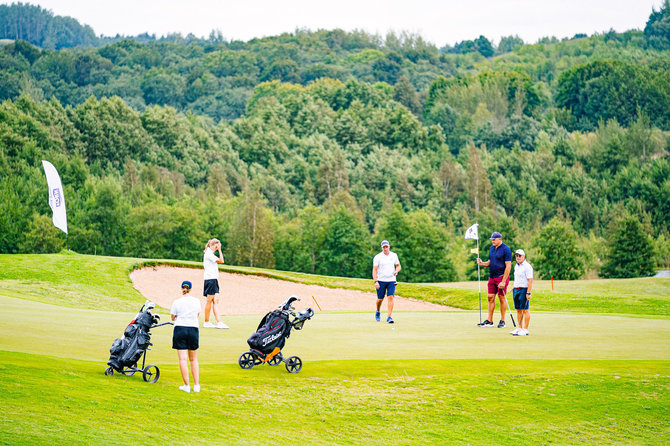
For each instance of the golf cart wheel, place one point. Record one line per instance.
(293, 364)
(151, 373)
(246, 360)
(109, 371)
(276, 360)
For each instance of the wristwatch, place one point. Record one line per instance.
(528, 294)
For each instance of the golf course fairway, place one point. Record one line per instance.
(599, 377)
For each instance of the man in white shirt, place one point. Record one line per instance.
(523, 283)
(385, 268)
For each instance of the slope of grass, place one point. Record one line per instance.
(85, 281)
(341, 402)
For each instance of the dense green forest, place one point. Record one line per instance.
(302, 151)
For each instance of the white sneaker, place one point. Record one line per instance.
(196, 388)
(221, 325)
(208, 325)
(523, 332)
(185, 388)
(515, 331)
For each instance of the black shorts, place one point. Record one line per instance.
(520, 300)
(211, 287)
(185, 338)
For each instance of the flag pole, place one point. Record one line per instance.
(479, 282)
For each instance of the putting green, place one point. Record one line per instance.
(38, 328)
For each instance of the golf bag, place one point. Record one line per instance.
(265, 345)
(128, 349)
(272, 332)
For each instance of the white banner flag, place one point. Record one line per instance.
(472, 232)
(56, 196)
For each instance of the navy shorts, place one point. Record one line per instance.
(386, 289)
(185, 338)
(520, 301)
(211, 287)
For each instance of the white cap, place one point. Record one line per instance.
(520, 252)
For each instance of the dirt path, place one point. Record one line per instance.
(245, 294)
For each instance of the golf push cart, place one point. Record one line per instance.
(126, 351)
(270, 337)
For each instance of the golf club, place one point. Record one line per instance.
(508, 310)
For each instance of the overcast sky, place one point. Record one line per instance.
(438, 21)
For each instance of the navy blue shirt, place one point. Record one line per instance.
(498, 257)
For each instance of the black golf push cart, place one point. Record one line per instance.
(127, 350)
(265, 345)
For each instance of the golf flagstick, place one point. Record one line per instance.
(479, 284)
(508, 309)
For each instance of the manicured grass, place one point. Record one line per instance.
(84, 281)
(45, 329)
(432, 378)
(47, 400)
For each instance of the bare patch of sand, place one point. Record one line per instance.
(245, 294)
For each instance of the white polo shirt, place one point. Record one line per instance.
(386, 266)
(522, 273)
(186, 309)
(210, 265)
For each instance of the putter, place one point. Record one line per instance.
(510, 311)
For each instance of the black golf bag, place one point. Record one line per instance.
(128, 349)
(265, 345)
(272, 332)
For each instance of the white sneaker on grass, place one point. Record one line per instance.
(523, 332)
(196, 388)
(208, 324)
(185, 388)
(515, 331)
(221, 325)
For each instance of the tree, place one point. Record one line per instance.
(346, 246)
(559, 255)
(421, 245)
(631, 253)
(251, 236)
(42, 236)
(657, 30)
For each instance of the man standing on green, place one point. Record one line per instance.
(500, 265)
(385, 268)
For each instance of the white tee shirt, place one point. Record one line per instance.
(186, 309)
(386, 266)
(210, 265)
(522, 273)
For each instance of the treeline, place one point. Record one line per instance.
(313, 177)
(22, 21)
(562, 147)
(215, 77)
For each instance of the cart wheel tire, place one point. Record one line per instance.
(293, 364)
(129, 372)
(109, 371)
(246, 360)
(151, 373)
(276, 360)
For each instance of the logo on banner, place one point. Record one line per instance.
(56, 196)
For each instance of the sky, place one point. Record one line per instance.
(438, 21)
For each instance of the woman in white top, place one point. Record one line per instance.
(185, 336)
(211, 292)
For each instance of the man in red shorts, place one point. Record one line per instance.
(499, 264)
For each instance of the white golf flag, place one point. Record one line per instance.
(56, 196)
(472, 232)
